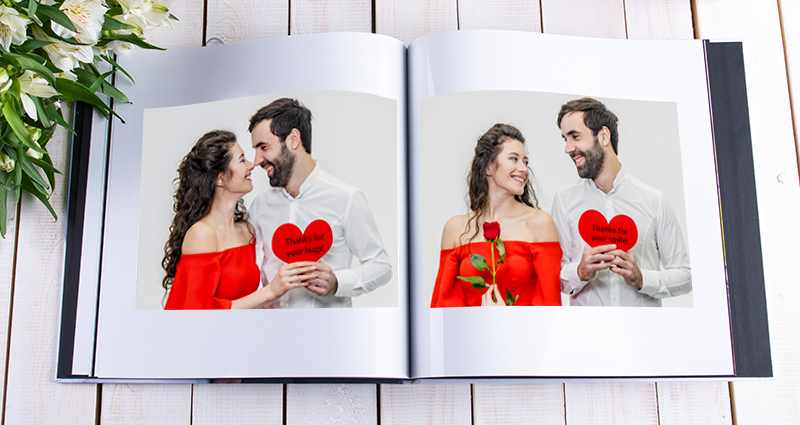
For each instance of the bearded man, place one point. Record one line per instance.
(303, 193)
(657, 266)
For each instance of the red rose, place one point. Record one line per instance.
(491, 231)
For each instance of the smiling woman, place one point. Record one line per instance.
(209, 258)
(525, 254)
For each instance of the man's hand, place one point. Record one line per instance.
(626, 267)
(325, 283)
(594, 259)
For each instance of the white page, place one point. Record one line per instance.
(462, 83)
(350, 82)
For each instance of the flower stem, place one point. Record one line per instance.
(494, 270)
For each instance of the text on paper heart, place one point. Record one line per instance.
(291, 245)
(596, 231)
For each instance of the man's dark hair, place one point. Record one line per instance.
(595, 116)
(285, 114)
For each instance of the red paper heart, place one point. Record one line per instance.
(596, 231)
(291, 245)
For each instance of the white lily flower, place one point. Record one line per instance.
(32, 84)
(6, 163)
(34, 154)
(135, 20)
(64, 55)
(127, 5)
(118, 47)
(67, 74)
(35, 85)
(35, 133)
(156, 12)
(86, 15)
(153, 12)
(12, 27)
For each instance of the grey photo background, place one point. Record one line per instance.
(354, 139)
(649, 149)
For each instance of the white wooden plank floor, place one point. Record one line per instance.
(31, 264)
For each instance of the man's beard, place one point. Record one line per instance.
(593, 161)
(282, 167)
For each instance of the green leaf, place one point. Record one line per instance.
(17, 186)
(501, 248)
(55, 115)
(5, 181)
(474, 280)
(27, 167)
(3, 213)
(52, 13)
(17, 175)
(47, 134)
(85, 76)
(173, 17)
(117, 66)
(27, 62)
(130, 38)
(111, 24)
(478, 262)
(44, 165)
(41, 114)
(108, 89)
(42, 197)
(509, 298)
(31, 45)
(32, 6)
(51, 175)
(6, 133)
(20, 131)
(98, 81)
(93, 68)
(70, 91)
(13, 141)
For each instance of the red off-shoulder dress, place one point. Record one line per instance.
(530, 270)
(211, 280)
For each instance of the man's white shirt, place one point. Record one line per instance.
(355, 235)
(660, 250)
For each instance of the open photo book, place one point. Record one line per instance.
(387, 205)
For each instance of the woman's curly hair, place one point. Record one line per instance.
(197, 175)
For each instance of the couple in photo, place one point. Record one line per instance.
(506, 251)
(210, 256)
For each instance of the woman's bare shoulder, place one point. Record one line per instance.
(453, 229)
(543, 226)
(200, 238)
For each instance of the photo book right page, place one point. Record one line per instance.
(460, 85)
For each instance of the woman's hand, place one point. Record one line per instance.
(289, 276)
(486, 299)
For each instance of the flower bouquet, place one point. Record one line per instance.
(491, 233)
(51, 51)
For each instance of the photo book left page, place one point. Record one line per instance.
(336, 201)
